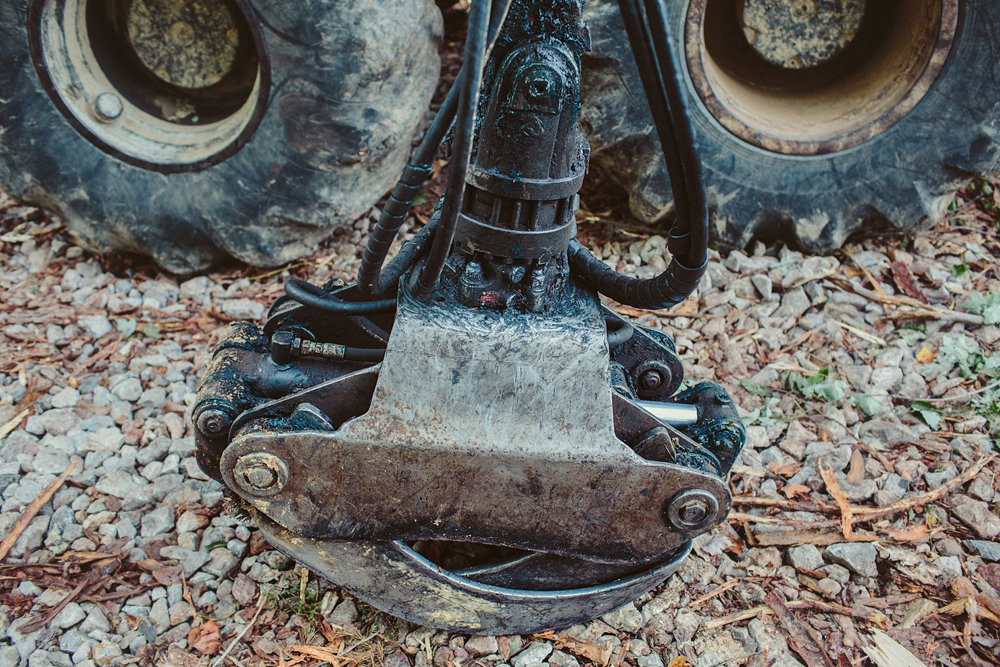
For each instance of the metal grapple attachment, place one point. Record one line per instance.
(500, 453)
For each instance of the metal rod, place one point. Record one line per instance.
(674, 414)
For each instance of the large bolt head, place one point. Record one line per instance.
(213, 422)
(260, 473)
(108, 106)
(692, 511)
(651, 379)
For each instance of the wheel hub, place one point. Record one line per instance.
(169, 86)
(188, 44)
(809, 77)
(800, 33)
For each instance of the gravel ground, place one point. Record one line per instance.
(858, 507)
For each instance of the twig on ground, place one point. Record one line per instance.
(787, 505)
(863, 513)
(921, 309)
(871, 513)
(32, 509)
(12, 424)
(40, 622)
(817, 525)
(732, 583)
(833, 488)
(864, 335)
(792, 538)
(809, 605)
(232, 644)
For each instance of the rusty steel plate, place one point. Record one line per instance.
(341, 488)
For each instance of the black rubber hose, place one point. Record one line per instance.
(622, 332)
(461, 152)
(363, 354)
(414, 175)
(689, 241)
(653, 84)
(406, 257)
(656, 16)
(316, 297)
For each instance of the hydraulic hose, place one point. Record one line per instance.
(461, 153)
(653, 83)
(688, 242)
(363, 354)
(697, 220)
(406, 257)
(414, 175)
(316, 297)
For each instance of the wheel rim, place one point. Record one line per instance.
(850, 80)
(165, 85)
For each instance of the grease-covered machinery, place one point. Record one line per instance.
(467, 438)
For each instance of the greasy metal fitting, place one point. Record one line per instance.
(651, 379)
(261, 473)
(650, 376)
(213, 422)
(286, 346)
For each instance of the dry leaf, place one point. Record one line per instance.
(322, 653)
(679, 661)
(785, 470)
(793, 490)
(925, 355)
(205, 638)
(905, 282)
(917, 533)
(856, 473)
(583, 649)
(167, 575)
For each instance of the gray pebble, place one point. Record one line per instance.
(533, 654)
(242, 309)
(189, 559)
(221, 563)
(626, 618)
(989, 551)
(117, 483)
(66, 398)
(977, 515)
(893, 489)
(345, 612)
(128, 390)
(95, 326)
(806, 557)
(479, 645)
(158, 522)
(69, 616)
(858, 557)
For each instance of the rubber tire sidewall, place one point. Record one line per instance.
(906, 176)
(282, 192)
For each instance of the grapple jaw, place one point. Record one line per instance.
(503, 454)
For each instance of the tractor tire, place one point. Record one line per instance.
(195, 130)
(807, 147)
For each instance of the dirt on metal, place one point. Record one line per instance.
(189, 43)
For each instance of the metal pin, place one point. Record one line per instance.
(674, 414)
